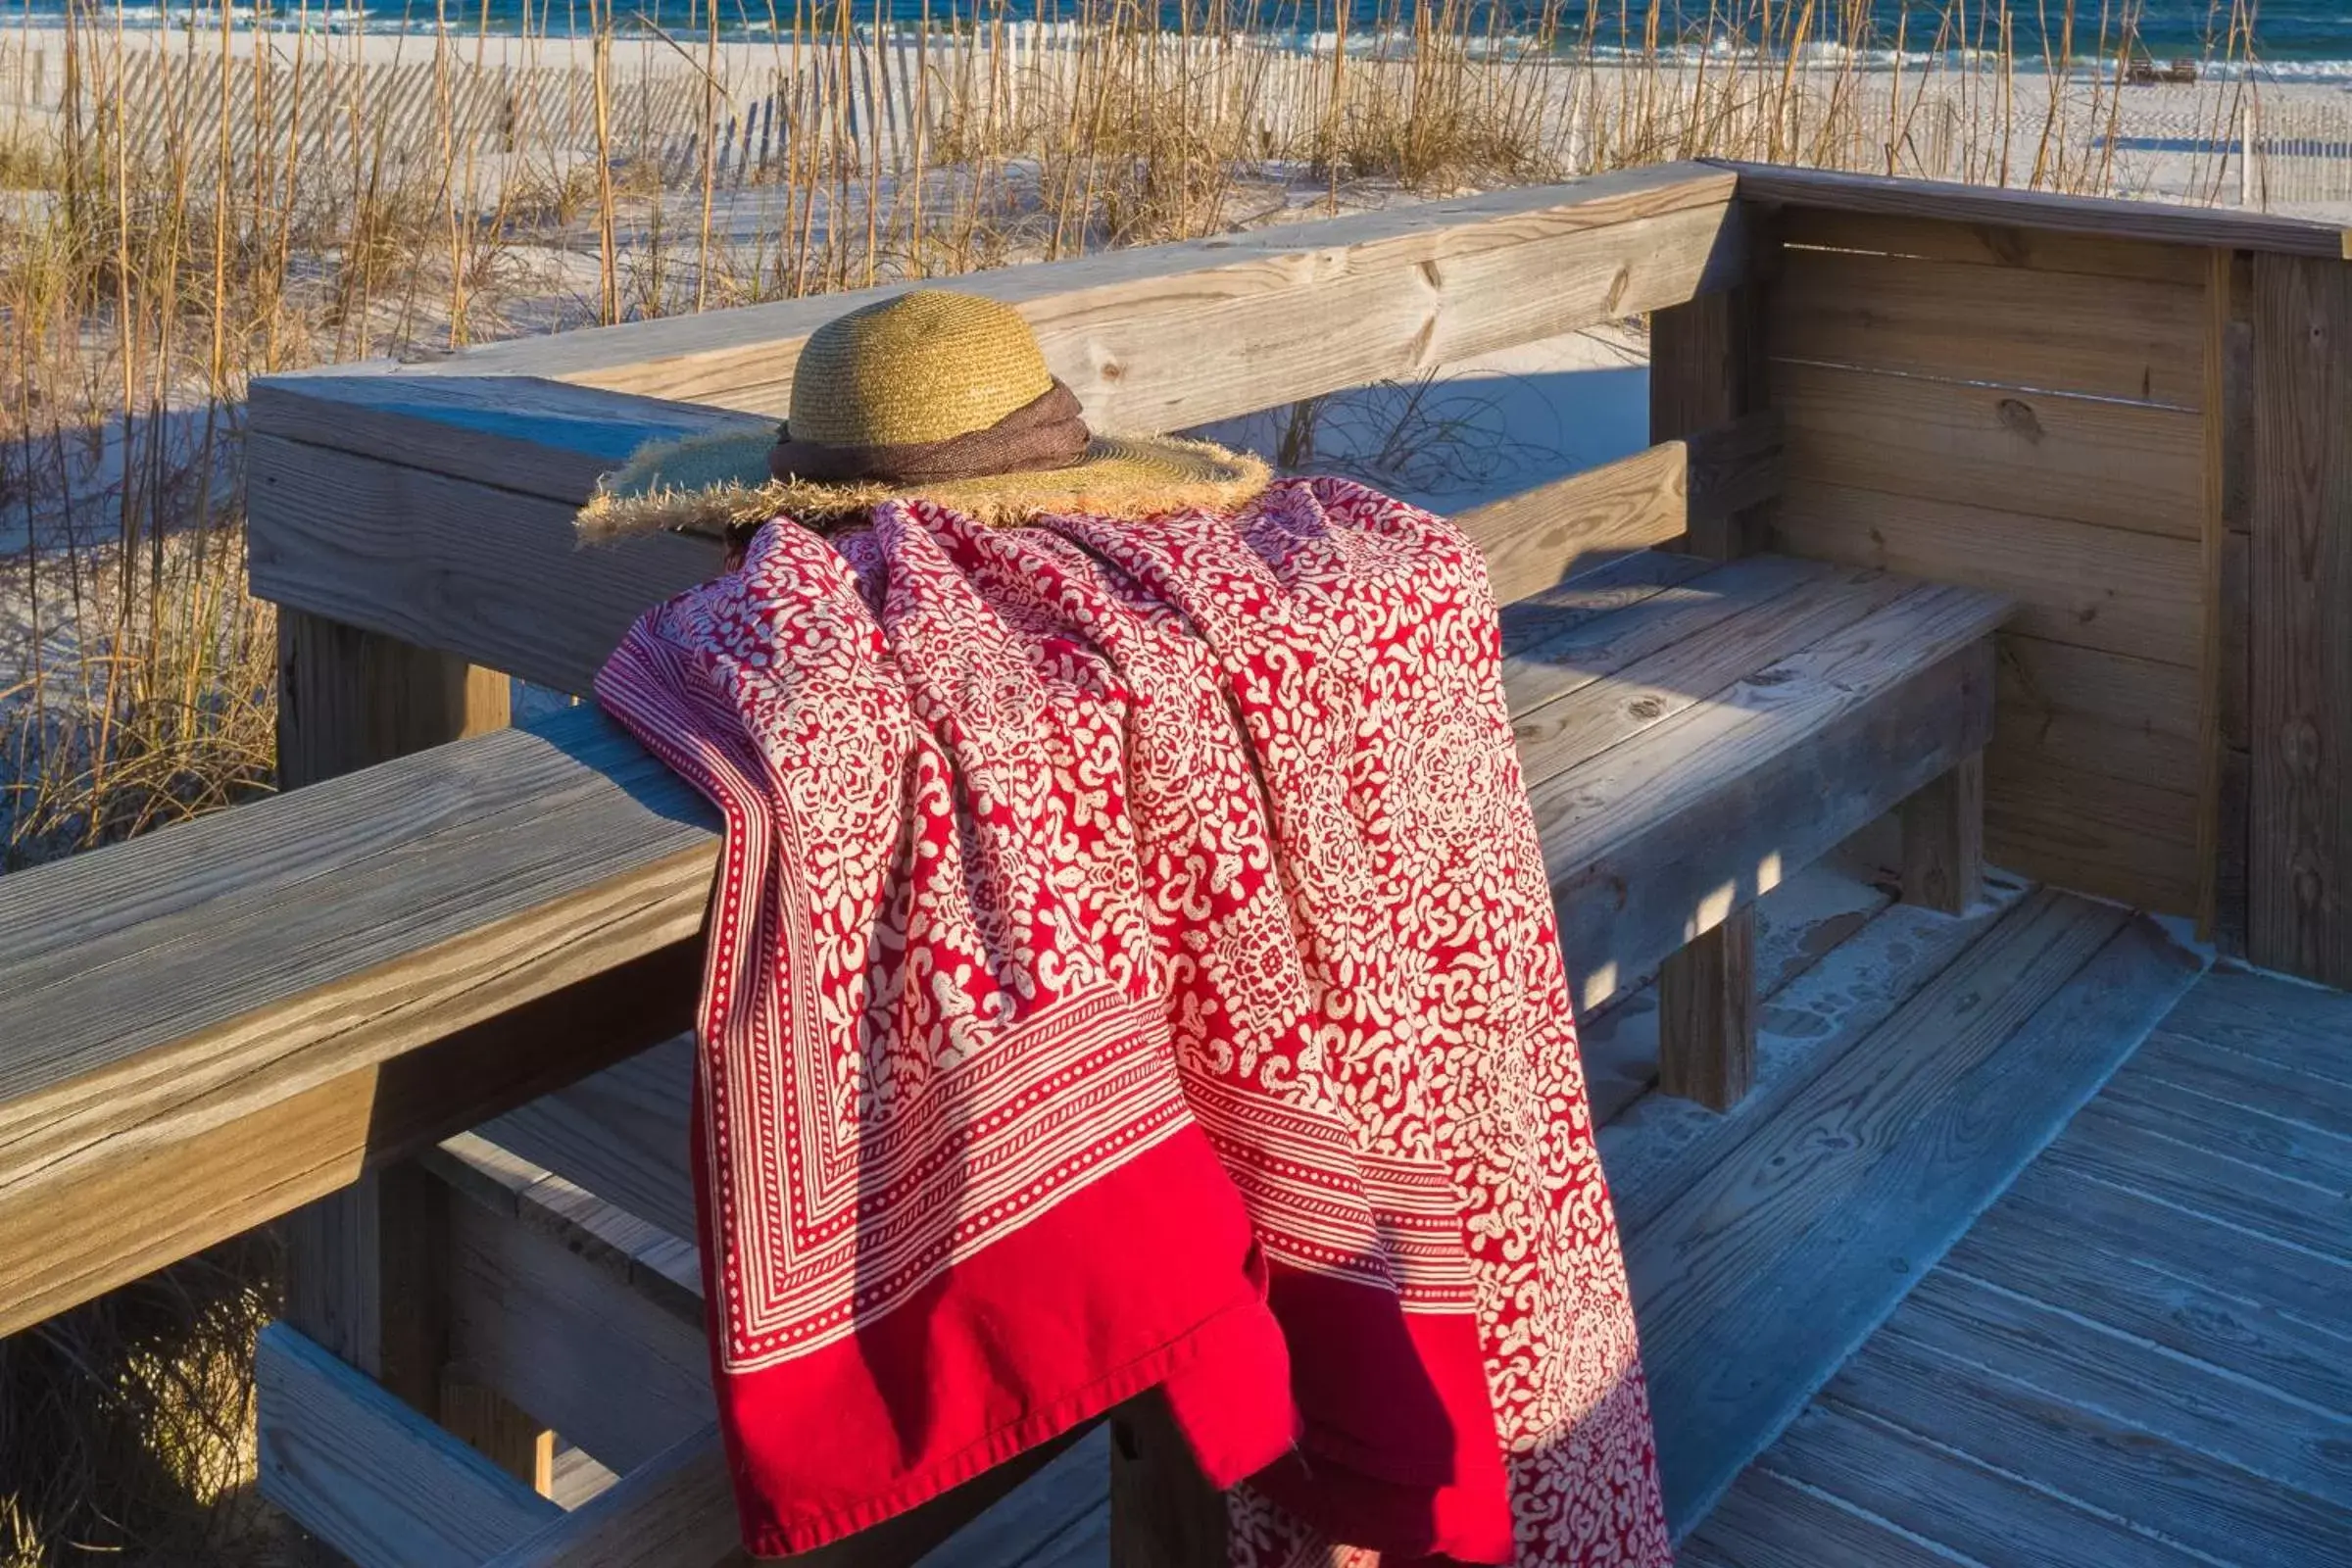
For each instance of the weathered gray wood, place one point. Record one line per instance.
(366, 1276)
(1704, 812)
(2150, 1284)
(2201, 1095)
(1064, 1503)
(2303, 1028)
(1871, 1172)
(621, 1134)
(1708, 1016)
(1953, 1498)
(1659, 1145)
(1558, 530)
(365, 1473)
(1319, 306)
(1706, 371)
(494, 574)
(573, 1343)
(1163, 1512)
(2311, 1285)
(2178, 1171)
(1943, 839)
(2299, 862)
(1768, 1521)
(2228, 1513)
(2039, 211)
(676, 1510)
(1708, 654)
(2184, 1403)
(1554, 611)
(465, 912)
(1561, 643)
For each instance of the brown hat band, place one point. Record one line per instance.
(1045, 432)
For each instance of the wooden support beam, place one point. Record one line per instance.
(1706, 372)
(371, 1477)
(480, 922)
(367, 1267)
(1708, 1015)
(2299, 863)
(1943, 839)
(1163, 1512)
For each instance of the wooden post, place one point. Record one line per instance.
(1707, 369)
(2299, 849)
(1708, 1015)
(1163, 1512)
(366, 1267)
(1943, 839)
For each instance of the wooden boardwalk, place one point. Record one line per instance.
(2141, 1356)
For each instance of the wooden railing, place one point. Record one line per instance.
(2130, 418)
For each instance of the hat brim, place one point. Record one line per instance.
(713, 483)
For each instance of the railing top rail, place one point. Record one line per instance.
(204, 1028)
(2110, 218)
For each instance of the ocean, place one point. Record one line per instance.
(2293, 38)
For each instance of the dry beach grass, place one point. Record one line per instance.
(182, 211)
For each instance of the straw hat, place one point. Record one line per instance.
(930, 393)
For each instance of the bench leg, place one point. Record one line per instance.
(1163, 1512)
(1708, 1015)
(1943, 839)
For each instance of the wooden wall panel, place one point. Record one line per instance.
(2024, 411)
(2299, 851)
(2118, 464)
(2110, 337)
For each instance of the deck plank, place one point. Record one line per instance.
(2050, 1250)
(2103, 1144)
(2287, 1145)
(2261, 1083)
(2181, 1399)
(2110, 1464)
(1952, 1497)
(1778, 1265)
(1561, 649)
(1769, 1521)
(2300, 1027)
(1698, 663)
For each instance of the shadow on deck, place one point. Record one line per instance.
(2138, 1357)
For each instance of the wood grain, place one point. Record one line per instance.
(488, 575)
(1560, 530)
(2098, 713)
(1768, 1521)
(1708, 1016)
(1954, 1499)
(464, 910)
(2103, 218)
(2073, 583)
(1704, 371)
(2300, 844)
(2123, 465)
(2106, 836)
(365, 1271)
(361, 1471)
(1320, 306)
(1943, 839)
(2108, 337)
(1831, 1214)
(2016, 249)
(1702, 813)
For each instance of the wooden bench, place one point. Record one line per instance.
(1692, 733)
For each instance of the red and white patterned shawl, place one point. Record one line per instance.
(1132, 966)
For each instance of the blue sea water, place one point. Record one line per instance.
(2293, 37)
